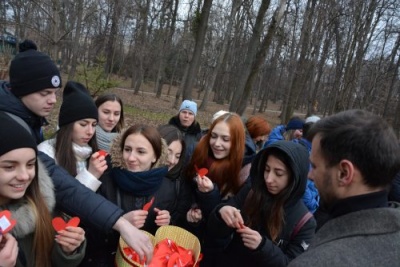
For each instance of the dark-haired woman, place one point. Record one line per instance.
(74, 147)
(111, 119)
(175, 179)
(260, 225)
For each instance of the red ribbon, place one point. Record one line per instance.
(132, 254)
(168, 254)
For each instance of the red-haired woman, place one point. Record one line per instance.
(221, 151)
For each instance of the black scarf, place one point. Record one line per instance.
(139, 183)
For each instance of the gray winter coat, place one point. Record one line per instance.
(365, 238)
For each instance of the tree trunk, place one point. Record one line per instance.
(224, 50)
(250, 55)
(77, 37)
(198, 48)
(260, 57)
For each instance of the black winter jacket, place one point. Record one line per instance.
(268, 253)
(71, 196)
(192, 135)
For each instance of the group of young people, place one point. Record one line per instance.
(245, 203)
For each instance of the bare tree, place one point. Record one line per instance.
(200, 33)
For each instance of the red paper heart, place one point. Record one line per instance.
(201, 172)
(59, 224)
(102, 153)
(148, 204)
(6, 221)
(74, 222)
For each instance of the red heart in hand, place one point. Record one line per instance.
(6, 222)
(148, 204)
(201, 172)
(102, 153)
(59, 224)
(241, 225)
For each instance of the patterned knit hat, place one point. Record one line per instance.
(32, 71)
(77, 104)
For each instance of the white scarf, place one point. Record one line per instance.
(82, 153)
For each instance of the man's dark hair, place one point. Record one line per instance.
(363, 138)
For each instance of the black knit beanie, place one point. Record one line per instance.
(32, 71)
(77, 104)
(13, 135)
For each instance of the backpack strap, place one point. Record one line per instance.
(300, 224)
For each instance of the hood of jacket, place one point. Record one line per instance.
(298, 161)
(117, 159)
(23, 212)
(12, 104)
(193, 129)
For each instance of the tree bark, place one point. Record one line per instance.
(198, 49)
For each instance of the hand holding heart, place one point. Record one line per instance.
(163, 217)
(8, 250)
(251, 238)
(137, 217)
(7, 223)
(231, 216)
(69, 235)
(97, 164)
(204, 184)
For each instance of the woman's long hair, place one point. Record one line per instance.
(263, 208)
(170, 133)
(43, 238)
(112, 97)
(64, 152)
(224, 172)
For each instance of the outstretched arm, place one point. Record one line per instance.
(135, 238)
(93, 209)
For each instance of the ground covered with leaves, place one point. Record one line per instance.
(145, 108)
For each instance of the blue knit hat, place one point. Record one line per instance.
(189, 105)
(295, 123)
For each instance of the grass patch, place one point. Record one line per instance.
(136, 115)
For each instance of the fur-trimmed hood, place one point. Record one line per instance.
(116, 153)
(22, 211)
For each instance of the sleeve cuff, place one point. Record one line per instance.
(88, 180)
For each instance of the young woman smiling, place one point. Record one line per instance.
(139, 158)
(27, 192)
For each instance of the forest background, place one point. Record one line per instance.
(268, 57)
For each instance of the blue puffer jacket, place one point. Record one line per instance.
(71, 196)
(276, 135)
(311, 196)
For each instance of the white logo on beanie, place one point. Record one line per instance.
(55, 81)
